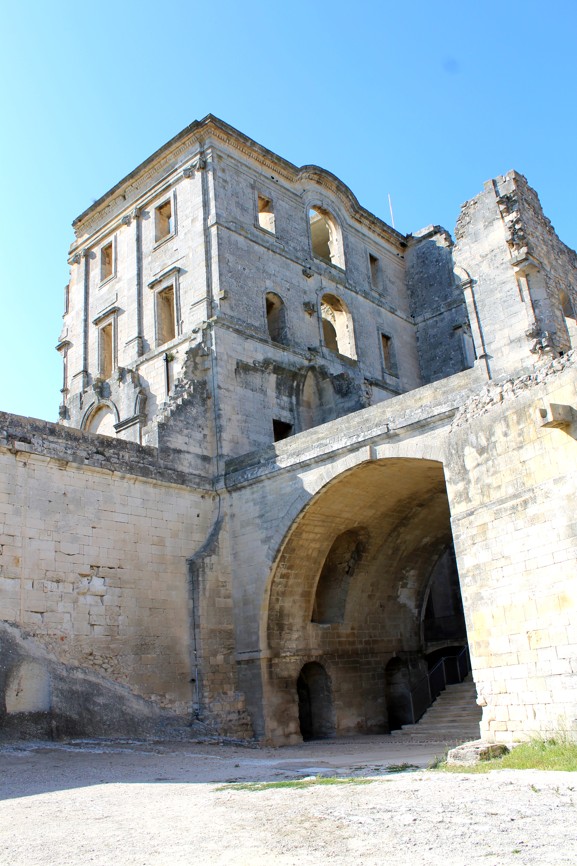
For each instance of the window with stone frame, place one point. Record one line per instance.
(276, 318)
(106, 261)
(375, 269)
(164, 220)
(326, 237)
(389, 355)
(107, 348)
(266, 218)
(165, 315)
(337, 324)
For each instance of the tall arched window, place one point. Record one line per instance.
(338, 334)
(276, 318)
(326, 237)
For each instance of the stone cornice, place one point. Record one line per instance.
(165, 159)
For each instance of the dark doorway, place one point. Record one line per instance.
(398, 694)
(316, 714)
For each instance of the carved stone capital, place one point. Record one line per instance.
(188, 172)
(126, 220)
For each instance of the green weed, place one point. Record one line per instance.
(556, 753)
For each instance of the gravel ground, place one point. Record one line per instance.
(147, 804)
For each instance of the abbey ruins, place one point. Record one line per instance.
(300, 457)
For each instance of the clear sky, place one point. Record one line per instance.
(421, 100)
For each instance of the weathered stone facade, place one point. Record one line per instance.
(316, 421)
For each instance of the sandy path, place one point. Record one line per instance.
(143, 806)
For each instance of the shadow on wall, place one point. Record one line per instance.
(42, 698)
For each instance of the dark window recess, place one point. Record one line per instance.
(281, 429)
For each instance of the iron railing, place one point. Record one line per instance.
(447, 671)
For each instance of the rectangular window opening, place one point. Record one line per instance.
(266, 214)
(106, 350)
(106, 261)
(281, 429)
(375, 271)
(389, 358)
(163, 221)
(165, 315)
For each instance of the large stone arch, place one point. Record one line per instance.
(397, 509)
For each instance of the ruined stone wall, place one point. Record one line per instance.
(502, 239)
(438, 305)
(554, 271)
(94, 538)
(511, 480)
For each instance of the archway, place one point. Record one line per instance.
(102, 421)
(398, 694)
(315, 703)
(351, 581)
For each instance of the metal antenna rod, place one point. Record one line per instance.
(391, 210)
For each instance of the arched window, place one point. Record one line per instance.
(335, 577)
(326, 238)
(338, 333)
(276, 318)
(102, 421)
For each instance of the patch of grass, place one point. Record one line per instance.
(296, 783)
(400, 768)
(557, 753)
(438, 761)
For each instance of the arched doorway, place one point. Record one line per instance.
(398, 694)
(316, 714)
(352, 580)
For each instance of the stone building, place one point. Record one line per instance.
(301, 458)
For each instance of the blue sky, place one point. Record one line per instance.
(423, 101)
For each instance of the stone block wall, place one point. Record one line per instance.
(94, 539)
(511, 482)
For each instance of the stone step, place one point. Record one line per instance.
(453, 717)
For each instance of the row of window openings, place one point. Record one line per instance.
(166, 330)
(163, 228)
(337, 327)
(325, 237)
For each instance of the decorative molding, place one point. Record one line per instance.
(175, 269)
(109, 311)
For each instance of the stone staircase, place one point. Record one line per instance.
(453, 718)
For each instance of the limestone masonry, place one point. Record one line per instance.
(304, 463)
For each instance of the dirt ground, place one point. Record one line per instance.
(140, 804)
